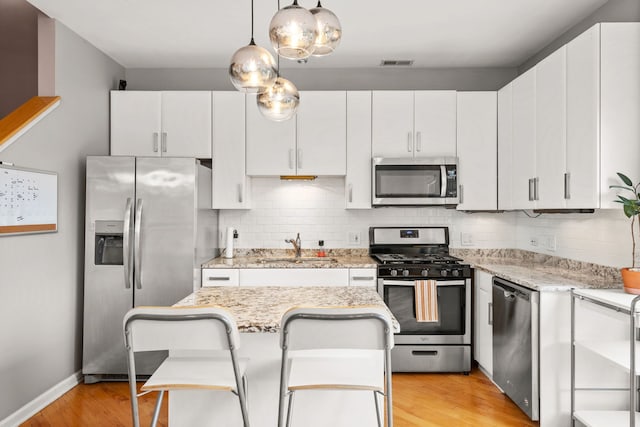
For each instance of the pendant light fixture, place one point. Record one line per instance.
(252, 68)
(329, 31)
(293, 31)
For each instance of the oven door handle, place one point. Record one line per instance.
(410, 282)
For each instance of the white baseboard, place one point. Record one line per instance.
(40, 402)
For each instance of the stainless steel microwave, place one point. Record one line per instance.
(414, 181)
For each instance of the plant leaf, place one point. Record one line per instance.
(633, 190)
(629, 210)
(625, 179)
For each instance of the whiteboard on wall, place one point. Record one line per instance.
(28, 200)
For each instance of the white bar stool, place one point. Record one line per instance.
(200, 331)
(335, 349)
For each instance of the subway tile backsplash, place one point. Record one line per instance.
(316, 210)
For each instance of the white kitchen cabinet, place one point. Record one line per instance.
(413, 123)
(358, 178)
(230, 189)
(154, 124)
(477, 150)
(294, 277)
(312, 143)
(483, 329)
(363, 277)
(505, 148)
(524, 140)
(220, 277)
(550, 119)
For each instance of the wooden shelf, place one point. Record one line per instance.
(605, 418)
(614, 351)
(24, 117)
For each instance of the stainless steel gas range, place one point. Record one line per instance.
(406, 255)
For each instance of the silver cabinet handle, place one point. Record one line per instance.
(490, 319)
(291, 158)
(536, 180)
(567, 186)
(530, 189)
(409, 142)
(418, 141)
(461, 193)
(164, 142)
(137, 249)
(240, 193)
(219, 279)
(350, 193)
(126, 246)
(155, 142)
(363, 278)
(299, 158)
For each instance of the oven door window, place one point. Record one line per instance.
(408, 181)
(451, 310)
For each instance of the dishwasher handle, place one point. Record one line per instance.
(511, 292)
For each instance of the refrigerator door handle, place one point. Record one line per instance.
(137, 250)
(126, 244)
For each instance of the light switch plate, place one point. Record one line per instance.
(466, 239)
(354, 238)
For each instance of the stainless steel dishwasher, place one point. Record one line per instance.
(515, 344)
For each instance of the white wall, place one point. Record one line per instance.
(41, 277)
(315, 209)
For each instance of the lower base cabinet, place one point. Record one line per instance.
(482, 327)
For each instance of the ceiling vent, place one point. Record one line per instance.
(396, 63)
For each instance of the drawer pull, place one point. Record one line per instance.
(219, 278)
(368, 278)
(424, 353)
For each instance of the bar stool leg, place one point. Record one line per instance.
(156, 411)
(375, 400)
(289, 409)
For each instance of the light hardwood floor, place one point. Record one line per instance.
(419, 400)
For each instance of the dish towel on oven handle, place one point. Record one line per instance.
(426, 300)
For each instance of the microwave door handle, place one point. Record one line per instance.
(443, 181)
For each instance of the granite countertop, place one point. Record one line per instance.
(259, 309)
(542, 272)
(280, 258)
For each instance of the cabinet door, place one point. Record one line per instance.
(271, 145)
(620, 106)
(363, 277)
(477, 150)
(220, 277)
(551, 130)
(186, 124)
(435, 123)
(229, 178)
(392, 123)
(322, 133)
(135, 123)
(505, 148)
(358, 179)
(483, 322)
(524, 140)
(583, 120)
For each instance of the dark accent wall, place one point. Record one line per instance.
(18, 53)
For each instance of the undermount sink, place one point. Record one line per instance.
(300, 260)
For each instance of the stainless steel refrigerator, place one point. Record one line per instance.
(148, 228)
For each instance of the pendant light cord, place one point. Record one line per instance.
(252, 41)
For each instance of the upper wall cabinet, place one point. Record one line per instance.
(171, 124)
(477, 150)
(230, 183)
(358, 179)
(312, 143)
(414, 123)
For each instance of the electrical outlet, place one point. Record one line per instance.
(354, 238)
(466, 239)
(551, 243)
(533, 241)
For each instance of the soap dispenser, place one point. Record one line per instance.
(321, 252)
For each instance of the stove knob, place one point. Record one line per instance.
(455, 273)
(405, 273)
(424, 272)
(394, 273)
(444, 273)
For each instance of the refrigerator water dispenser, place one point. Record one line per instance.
(108, 242)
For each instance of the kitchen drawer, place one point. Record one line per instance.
(362, 277)
(417, 358)
(294, 276)
(220, 277)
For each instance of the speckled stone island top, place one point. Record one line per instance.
(259, 309)
(284, 258)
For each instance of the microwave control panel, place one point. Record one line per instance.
(452, 181)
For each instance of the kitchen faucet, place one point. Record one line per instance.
(297, 245)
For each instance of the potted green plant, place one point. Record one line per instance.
(631, 208)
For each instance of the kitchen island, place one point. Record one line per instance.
(258, 311)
